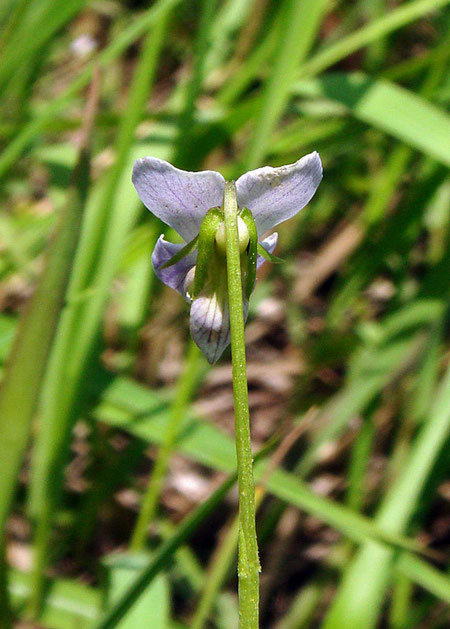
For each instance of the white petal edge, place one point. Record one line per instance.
(275, 194)
(178, 197)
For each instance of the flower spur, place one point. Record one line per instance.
(191, 203)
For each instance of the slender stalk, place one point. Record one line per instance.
(220, 567)
(185, 389)
(226, 550)
(248, 561)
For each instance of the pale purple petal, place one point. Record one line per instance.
(174, 275)
(275, 194)
(210, 323)
(178, 197)
(269, 245)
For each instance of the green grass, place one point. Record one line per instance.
(92, 347)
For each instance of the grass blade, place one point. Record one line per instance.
(163, 554)
(38, 33)
(122, 571)
(113, 50)
(24, 373)
(377, 102)
(301, 21)
(68, 604)
(208, 445)
(425, 575)
(393, 20)
(361, 595)
(97, 260)
(185, 389)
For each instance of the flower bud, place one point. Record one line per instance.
(243, 236)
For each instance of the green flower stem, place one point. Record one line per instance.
(248, 561)
(185, 389)
(226, 550)
(220, 567)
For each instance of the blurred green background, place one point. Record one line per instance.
(347, 340)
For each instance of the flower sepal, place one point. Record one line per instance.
(206, 248)
(251, 257)
(181, 254)
(268, 256)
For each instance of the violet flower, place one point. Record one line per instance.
(190, 202)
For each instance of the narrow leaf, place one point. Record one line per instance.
(24, 372)
(387, 107)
